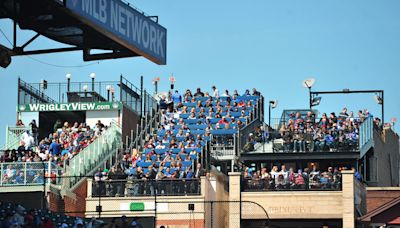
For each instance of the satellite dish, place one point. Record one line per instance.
(308, 83)
(378, 99)
(274, 103)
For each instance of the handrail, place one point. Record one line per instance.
(139, 138)
(28, 173)
(13, 136)
(37, 92)
(104, 146)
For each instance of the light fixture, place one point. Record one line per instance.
(273, 103)
(308, 83)
(92, 75)
(85, 88)
(68, 76)
(108, 88)
(378, 99)
(316, 101)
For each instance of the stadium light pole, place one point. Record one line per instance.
(172, 80)
(92, 76)
(155, 83)
(68, 76)
(308, 83)
(272, 105)
(108, 92)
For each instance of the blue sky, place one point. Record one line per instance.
(270, 45)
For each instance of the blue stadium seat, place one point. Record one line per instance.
(189, 104)
(184, 115)
(143, 164)
(224, 132)
(187, 163)
(175, 150)
(188, 150)
(198, 132)
(160, 151)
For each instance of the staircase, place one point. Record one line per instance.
(100, 151)
(14, 136)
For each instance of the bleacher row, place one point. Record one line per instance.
(198, 125)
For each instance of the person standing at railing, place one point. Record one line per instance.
(35, 132)
(28, 139)
(20, 123)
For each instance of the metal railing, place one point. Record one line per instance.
(142, 132)
(366, 136)
(14, 136)
(134, 187)
(104, 147)
(223, 145)
(29, 173)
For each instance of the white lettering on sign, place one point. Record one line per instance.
(123, 21)
(68, 107)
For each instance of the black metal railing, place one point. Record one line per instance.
(313, 183)
(132, 187)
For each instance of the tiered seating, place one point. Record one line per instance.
(184, 132)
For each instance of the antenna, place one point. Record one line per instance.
(308, 83)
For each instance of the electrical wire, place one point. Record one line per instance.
(50, 64)
(6, 37)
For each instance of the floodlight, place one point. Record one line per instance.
(378, 99)
(274, 103)
(316, 101)
(308, 83)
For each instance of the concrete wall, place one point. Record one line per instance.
(303, 204)
(387, 157)
(106, 117)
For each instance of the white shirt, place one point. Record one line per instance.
(216, 93)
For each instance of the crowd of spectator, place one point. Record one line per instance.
(66, 141)
(173, 154)
(16, 216)
(291, 179)
(159, 180)
(24, 165)
(330, 133)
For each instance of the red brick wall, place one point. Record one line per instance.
(190, 223)
(77, 206)
(56, 203)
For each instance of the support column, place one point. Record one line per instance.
(348, 199)
(234, 198)
(89, 188)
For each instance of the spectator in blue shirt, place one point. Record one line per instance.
(20, 178)
(176, 98)
(54, 148)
